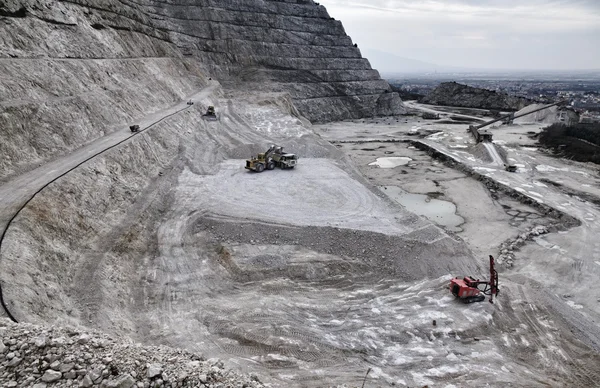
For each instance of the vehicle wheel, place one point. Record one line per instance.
(260, 167)
(270, 166)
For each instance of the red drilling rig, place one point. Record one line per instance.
(468, 289)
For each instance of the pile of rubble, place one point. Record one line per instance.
(37, 356)
(506, 257)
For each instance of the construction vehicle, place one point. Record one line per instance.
(506, 119)
(273, 157)
(210, 114)
(134, 128)
(469, 290)
(430, 116)
(510, 167)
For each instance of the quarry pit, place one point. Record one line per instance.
(311, 276)
(155, 258)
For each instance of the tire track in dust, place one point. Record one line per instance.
(256, 196)
(70, 169)
(583, 375)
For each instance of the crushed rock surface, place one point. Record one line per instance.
(40, 356)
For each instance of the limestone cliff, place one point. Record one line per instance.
(292, 45)
(455, 94)
(74, 70)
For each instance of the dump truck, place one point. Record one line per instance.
(273, 157)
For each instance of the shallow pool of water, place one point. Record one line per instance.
(391, 161)
(440, 212)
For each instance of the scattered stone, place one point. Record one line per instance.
(95, 375)
(154, 370)
(14, 362)
(65, 367)
(126, 381)
(83, 339)
(51, 376)
(93, 359)
(55, 365)
(41, 342)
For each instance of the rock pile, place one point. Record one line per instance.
(506, 257)
(37, 356)
(455, 94)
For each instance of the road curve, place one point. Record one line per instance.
(17, 191)
(424, 108)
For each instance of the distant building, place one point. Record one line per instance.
(589, 118)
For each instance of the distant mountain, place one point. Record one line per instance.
(391, 64)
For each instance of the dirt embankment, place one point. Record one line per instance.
(51, 107)
(564, 220)
(56, 265)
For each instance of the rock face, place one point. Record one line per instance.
(74, 70)
(455, 94)
(291, 46)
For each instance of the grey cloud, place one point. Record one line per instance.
(477, 33)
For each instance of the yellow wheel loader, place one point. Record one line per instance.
(273, 157)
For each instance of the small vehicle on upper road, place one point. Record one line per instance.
(210, 114)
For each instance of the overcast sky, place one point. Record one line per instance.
(492, 34)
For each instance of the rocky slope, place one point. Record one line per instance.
(40, 356)
(73, 70)
(455, 94)
(294, 46)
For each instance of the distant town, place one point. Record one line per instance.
(583, 95)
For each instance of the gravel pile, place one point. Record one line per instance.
(37, 356)
(506, 257)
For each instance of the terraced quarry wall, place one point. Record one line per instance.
(291, 46)
(73, 70)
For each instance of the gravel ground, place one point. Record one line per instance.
(41, 356)
(306, 277)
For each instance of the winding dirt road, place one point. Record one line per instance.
(17, 191)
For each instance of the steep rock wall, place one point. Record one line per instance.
(295, 45)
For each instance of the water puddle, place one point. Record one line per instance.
(391, 161)
(440, 212)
